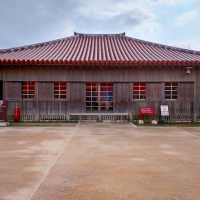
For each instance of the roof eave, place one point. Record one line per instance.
(96, 62)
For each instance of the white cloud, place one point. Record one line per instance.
(112, 8)
(40, 20)
(171, 2)
(116, 15)
(187, 17)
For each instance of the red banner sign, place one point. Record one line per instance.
(146, 111)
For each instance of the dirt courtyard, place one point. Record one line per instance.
(99, 162)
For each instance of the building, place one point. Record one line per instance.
(93, 75)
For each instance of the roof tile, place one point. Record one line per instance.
(98, 48)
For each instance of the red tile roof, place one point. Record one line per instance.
(100, 49)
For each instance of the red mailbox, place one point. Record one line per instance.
(17, 113)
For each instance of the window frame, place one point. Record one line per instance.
(172, 89)
(99, 97)
(57, 93)
(28, 90)
(141, 92)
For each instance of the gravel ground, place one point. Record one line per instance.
(91, 161)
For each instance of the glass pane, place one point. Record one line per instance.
(60, 90)
(28, 89)
(171, 90)
(101, 96)
(139, 90)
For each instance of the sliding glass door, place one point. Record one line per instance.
(99, 97)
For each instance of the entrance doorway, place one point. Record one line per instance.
(1, 90)
(99, 97)
(3, 106)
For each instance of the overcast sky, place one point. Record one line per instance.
(172, 22)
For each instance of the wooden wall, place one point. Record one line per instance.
(146, 74)
(154, 91)
(12, 90)
(188, 90)
(185, 91)
(45, 90)
(121, 97)
(197, 94)
(77, 97)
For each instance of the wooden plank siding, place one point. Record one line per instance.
(185, 91)
(44, 103)
(45, 91)
(197, 95)
(12, 90)
(182, 108)
(154, 95)
(121, 97)
(61, 73)
(77, 97)
(154, 91)
(45, 107)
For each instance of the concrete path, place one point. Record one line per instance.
(99, 162)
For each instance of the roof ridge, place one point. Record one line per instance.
(168, 47)
(100, 34)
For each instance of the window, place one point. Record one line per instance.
(171, 92)
(28, 89)
(60, 90)
(99, 97)
(139, 91)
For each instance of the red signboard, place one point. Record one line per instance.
(146, 111)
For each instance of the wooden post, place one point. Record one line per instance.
(37, 109)
(195, 102)
(195, 96)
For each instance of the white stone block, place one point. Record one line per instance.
(4, 124)
(154, 122)
(141, 122)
